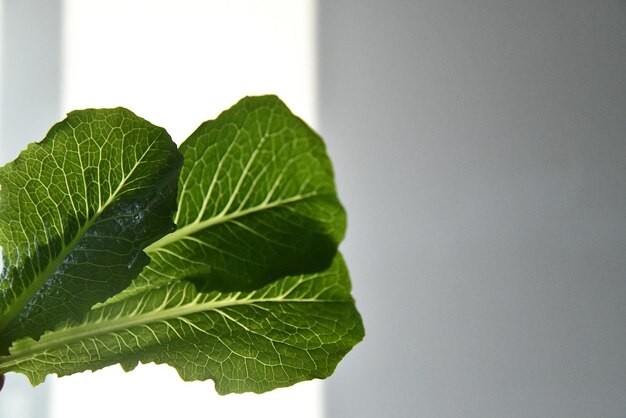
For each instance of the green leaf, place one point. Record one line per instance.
(256, 202)
(76, 211)
(249, 290)
(294, 329)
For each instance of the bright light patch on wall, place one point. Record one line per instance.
(177, 64)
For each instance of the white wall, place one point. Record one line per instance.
(178, 63)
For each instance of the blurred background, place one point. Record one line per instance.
(479, 148)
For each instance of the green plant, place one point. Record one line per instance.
(219, 258)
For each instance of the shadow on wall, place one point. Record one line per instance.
(480, 152)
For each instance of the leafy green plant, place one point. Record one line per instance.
(219, 258)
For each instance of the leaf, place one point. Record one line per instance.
(294, 329)
(256, 202)
(249, 290)
(76, 211)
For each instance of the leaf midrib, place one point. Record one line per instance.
(197, 226)
(94, 329)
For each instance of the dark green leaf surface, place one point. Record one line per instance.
(294, 329)
(76, 211)
(256, 202)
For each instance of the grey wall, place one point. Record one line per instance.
(480, 149)
(31, 72)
